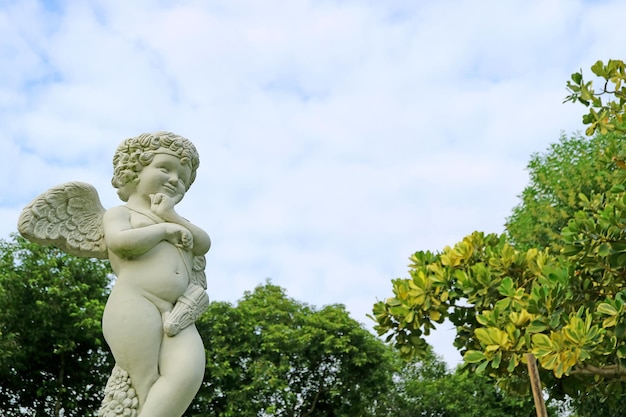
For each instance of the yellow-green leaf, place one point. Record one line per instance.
(606, 308)
(473, 356)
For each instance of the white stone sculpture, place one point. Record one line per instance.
(158, 259)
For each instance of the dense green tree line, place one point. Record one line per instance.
(266, 355)
(425, 387)
(271, 355)
(52, 353)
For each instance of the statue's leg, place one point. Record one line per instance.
(181, 367)
(133, 329)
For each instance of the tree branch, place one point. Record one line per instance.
(611, 371)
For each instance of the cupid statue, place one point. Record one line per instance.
(158, 259)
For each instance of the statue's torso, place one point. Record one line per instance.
(161, 274)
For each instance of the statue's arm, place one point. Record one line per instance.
(163, 206)
(201, 239)
(128, 242)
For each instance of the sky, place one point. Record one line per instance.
(336, 138)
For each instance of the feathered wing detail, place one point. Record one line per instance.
(68, 216)
(198, 276)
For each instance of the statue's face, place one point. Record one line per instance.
(165, 174)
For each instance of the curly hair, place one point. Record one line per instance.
(135, 153)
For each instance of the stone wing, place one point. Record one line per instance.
(68, 216)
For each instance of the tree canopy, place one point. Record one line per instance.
(606, 105)
(52, 355)
(272, 355)
(426, 387)
(575, 166)
(553, 285)
(266, 355)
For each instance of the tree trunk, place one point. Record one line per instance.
(535, 383)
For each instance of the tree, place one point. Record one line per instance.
(511, 296)
(52, 357)
(426, 388)
(272, 355)
(573, 166)
(563, 181)
(604, 115)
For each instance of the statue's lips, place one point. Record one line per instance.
(170, 189)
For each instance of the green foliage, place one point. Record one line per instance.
(426, 388)
(476, 285)
(506, 303)
(561, 180)
(52, 354)
(553, 285)
(271, 355)
(604, 115)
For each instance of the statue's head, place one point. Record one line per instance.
(135, 153)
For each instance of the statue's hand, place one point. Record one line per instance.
(163, 205)
(178, 236)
